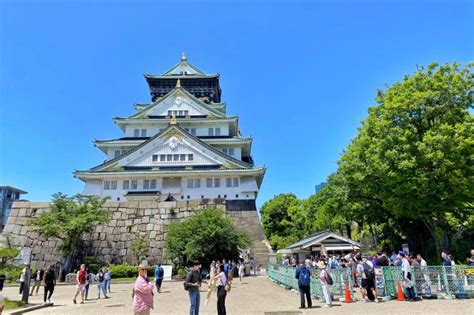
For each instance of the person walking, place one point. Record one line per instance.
(361, 279)
(304, 279)
(38, 279)
(407, 276)
(80, 283)
(241, 270)
(159, 274)
(221, 281)
(326, 282)
(89, 282)
(101, 283)
(107, 280)
(193, 282)
(142, 292)
(49, 284)
(22, 279)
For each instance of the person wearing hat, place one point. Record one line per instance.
(325, 279)
(193, 283)
(143, 292)
(406, 273)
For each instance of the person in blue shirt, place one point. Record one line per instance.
(304, 279)
(446, 260)
(159, 274)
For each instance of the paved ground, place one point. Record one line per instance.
(256, 295)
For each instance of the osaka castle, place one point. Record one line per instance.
(180, 146)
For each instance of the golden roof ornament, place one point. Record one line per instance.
(178, 83)
(183, 56)
(173, 120)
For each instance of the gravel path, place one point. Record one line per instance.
(256, 295)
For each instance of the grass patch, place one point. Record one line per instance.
(11, 304)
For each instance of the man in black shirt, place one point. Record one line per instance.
(193, 284)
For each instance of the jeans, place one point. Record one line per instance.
(305, 291)
(101, 288)
(327, 294)
(36, 285)
(107, 285)
(194, 297)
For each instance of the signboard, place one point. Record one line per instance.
(168, 269)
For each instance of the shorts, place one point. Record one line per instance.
(368, 284)
(80, 287)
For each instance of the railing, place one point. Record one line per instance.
(447, 282)
(285, 276)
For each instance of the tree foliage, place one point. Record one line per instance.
(205, 236)
(69, 218)
(410, 167)
(282, 221)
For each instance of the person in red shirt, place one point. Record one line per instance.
(80, 283)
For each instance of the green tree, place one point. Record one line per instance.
(207, 235)
(68, 219)
(413, 156)
(282, 220)
(7, 251)
(140, 246)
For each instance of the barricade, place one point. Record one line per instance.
(285, 276)
(433, 281)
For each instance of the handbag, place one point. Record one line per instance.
(227, 287)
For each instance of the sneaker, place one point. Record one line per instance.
(106, 297)
(49, 300)
(82, 302)
(44, 303)
(377, 301)
(74, 301)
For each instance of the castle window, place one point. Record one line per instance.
(154, 158)
(190, 157)
(113, 185)
(146, 184)
(117, 153)
(143, 134)
(182, 157)
(162, 157)
(153, 184)
(218, 131)
(175, 157)
(169, 157)
(217, 182)
(134, 185)
(126, 184)
(194, 183)
(231, 151)
(186, 113)
(211, 131)
(193, 131)
(209, 183)
(136, 133)
(106, 185)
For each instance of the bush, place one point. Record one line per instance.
(12, 273)
(126, 271)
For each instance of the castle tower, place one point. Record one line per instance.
(181, 146)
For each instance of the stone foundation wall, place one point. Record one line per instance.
(111, 242)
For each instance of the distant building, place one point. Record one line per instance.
(8, 194)
(317, 188)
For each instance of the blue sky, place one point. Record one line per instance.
(300, 74)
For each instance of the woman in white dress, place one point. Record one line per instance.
(241, 270)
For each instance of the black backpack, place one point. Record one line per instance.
(369, 271)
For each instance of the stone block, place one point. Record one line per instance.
(149, 227)
(137, 221)
(112, 223)
(121, 223)
(16, 229)
(152, 234)
(146, 219)
(8, 228)
(124, 216)
(131, 211)
(22, 212)
(144, 204)
(112, 204)
(148, 211)
(116, 215)
(14, 212)
(142, 227)
(140, 212)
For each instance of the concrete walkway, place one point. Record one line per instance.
(256, 295)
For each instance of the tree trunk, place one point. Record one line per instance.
(348, 231)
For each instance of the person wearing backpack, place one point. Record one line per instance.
(326, 282)
(304, 279)
(101, 283)
(369, 273)
(159, 273)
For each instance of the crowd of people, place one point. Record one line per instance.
(362, 267)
